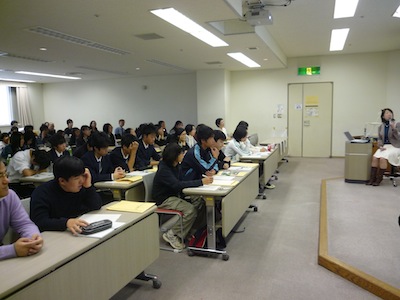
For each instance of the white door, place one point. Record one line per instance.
(310, 119)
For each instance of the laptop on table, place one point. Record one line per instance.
(353, 140)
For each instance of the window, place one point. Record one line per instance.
(8, 104)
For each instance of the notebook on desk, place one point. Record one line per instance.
(353, 140)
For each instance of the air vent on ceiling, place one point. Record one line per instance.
(27, 58)
(76, 40)
(158, 62)
(213, 63)
(149, 36)
(103, 70)
(253, 48)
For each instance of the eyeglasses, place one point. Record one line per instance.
(4, 175)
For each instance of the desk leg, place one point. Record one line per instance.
(211, 233)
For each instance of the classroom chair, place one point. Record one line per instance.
(167, 217)
(392, 174)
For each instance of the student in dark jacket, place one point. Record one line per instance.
(59, 146)
(56, 205)
(167, 192)
(224, 162)
(98, 161)
(146, 153)
(125, 155)
(202, 158)
(84, 135)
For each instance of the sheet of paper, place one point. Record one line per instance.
(223, 177)
(131, 206)
(90, 218)
(137, 173)
(225, 182)
(208, 187)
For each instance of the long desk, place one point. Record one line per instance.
(281, 142)
(235, 200)
(269, 163)
(70, 267)
(38, 179)
(118, 188)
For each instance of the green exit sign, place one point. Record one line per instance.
(309, 71)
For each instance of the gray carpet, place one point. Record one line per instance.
(274, 258)
(363, 227)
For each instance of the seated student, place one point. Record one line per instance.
(224, 162)
(178, 124)
(125, 155)
(16, 144)
(30, 140)
(68, 130)
(59, 146)
(4, 140)
(161, 124)
(52, 130)
(107, 129)
(13, 215)
(85, 133)
(161, 138)
(237, 146)
(76, 134)
(56, 205)
(167, 192)
(190, 135)
(26, 163)
(119, 131)
(81, 150)
(221, 125)
(180, 136)
(93, 126)
(146, 154)
(202, 158)
(98, 161)
(130, 131)
(43, 138)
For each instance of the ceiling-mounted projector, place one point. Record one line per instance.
(258, 17)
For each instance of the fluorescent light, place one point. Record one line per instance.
(179, 20)
(244, 59)
(46, 75)
(17, 80)
(338, 39)
(345, 8)
(397, 13)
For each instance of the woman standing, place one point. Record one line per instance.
(389, 147)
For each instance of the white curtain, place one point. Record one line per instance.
(24, 109)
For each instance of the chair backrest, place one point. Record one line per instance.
(133, 194)
(253, 138)
(148, 186)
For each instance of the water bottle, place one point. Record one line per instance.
(8, 159)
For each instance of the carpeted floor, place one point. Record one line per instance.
(274, 258)
(363, 228)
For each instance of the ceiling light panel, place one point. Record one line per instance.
(338, 39)
(345, 8)
(179, 20)
(76, 40)
(47, 75)
(397, 13)
(240, 57)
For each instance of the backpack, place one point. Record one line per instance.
(199, 239)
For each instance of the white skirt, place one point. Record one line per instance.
(392, 154)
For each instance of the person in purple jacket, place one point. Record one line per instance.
(13, 214)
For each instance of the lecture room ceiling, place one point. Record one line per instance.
(148, 46)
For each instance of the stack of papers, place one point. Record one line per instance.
(129, 179)
(131, 206)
